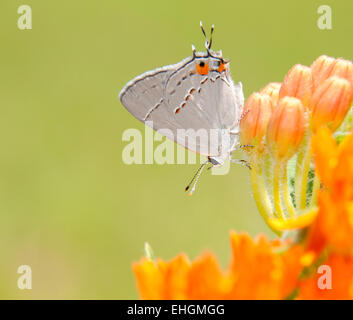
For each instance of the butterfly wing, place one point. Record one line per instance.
(145, 92)
(189, 106)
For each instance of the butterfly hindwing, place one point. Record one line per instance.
(180, 97)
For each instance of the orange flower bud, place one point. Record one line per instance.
(325, 67)
(272, 89)
(257, 110)
(343, 69)
(286, 128)
(298, 84)
(330, 103)
(321, 69)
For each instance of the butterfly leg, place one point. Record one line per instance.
(241, 146)
(241, 162)
(242, 116)
(196, 178)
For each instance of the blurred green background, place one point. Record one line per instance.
(69, 207)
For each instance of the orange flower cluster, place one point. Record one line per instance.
(331, 234)
(278, 118)
(279, 122)
(315, 96)
(334, 165)
(257, 271)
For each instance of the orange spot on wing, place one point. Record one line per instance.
(221, 67)
(202, 70)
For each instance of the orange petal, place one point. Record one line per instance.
(285, 130)
(257, 110)
(206, 279)
(325, 155)
(343, 69)
(321, 69)
(340, 268)
(272, 89)
(162, 280)
(150, 280)
(298, 83)
(330, 103)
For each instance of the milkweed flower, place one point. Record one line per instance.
(344, 69)
(307, 99)
(321, 69)
(261, 269)
(257, 110)
(340, 279)
(298, 83)
(302, 182)
(162, 280)
(275, 278)
(325, 67)
(331, 234)
(330, 103)
(334, 165)
(272, 89)
(286, 127)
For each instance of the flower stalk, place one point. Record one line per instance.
(280, 122)
(260, 193)
(277, 173)
(286, 195)
(302, 174)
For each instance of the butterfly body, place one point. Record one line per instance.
(193, 102)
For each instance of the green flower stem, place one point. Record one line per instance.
(260, 193)
(277, 173)
(316, 189)
(302, 172)
(286, 194)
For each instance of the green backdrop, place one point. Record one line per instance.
(69, 207)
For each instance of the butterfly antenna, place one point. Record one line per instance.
(204, 33)
(193, 50)
(196, 178)
(202, 29)
(210, 44)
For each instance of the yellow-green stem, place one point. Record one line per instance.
(314, 194)
(261, 197)
(286, 194)
(298, 175)
(302, 220)
(302, 171)
(277, 173)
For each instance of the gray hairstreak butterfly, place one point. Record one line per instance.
(194, 102)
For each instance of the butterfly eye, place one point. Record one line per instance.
(202, 68)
